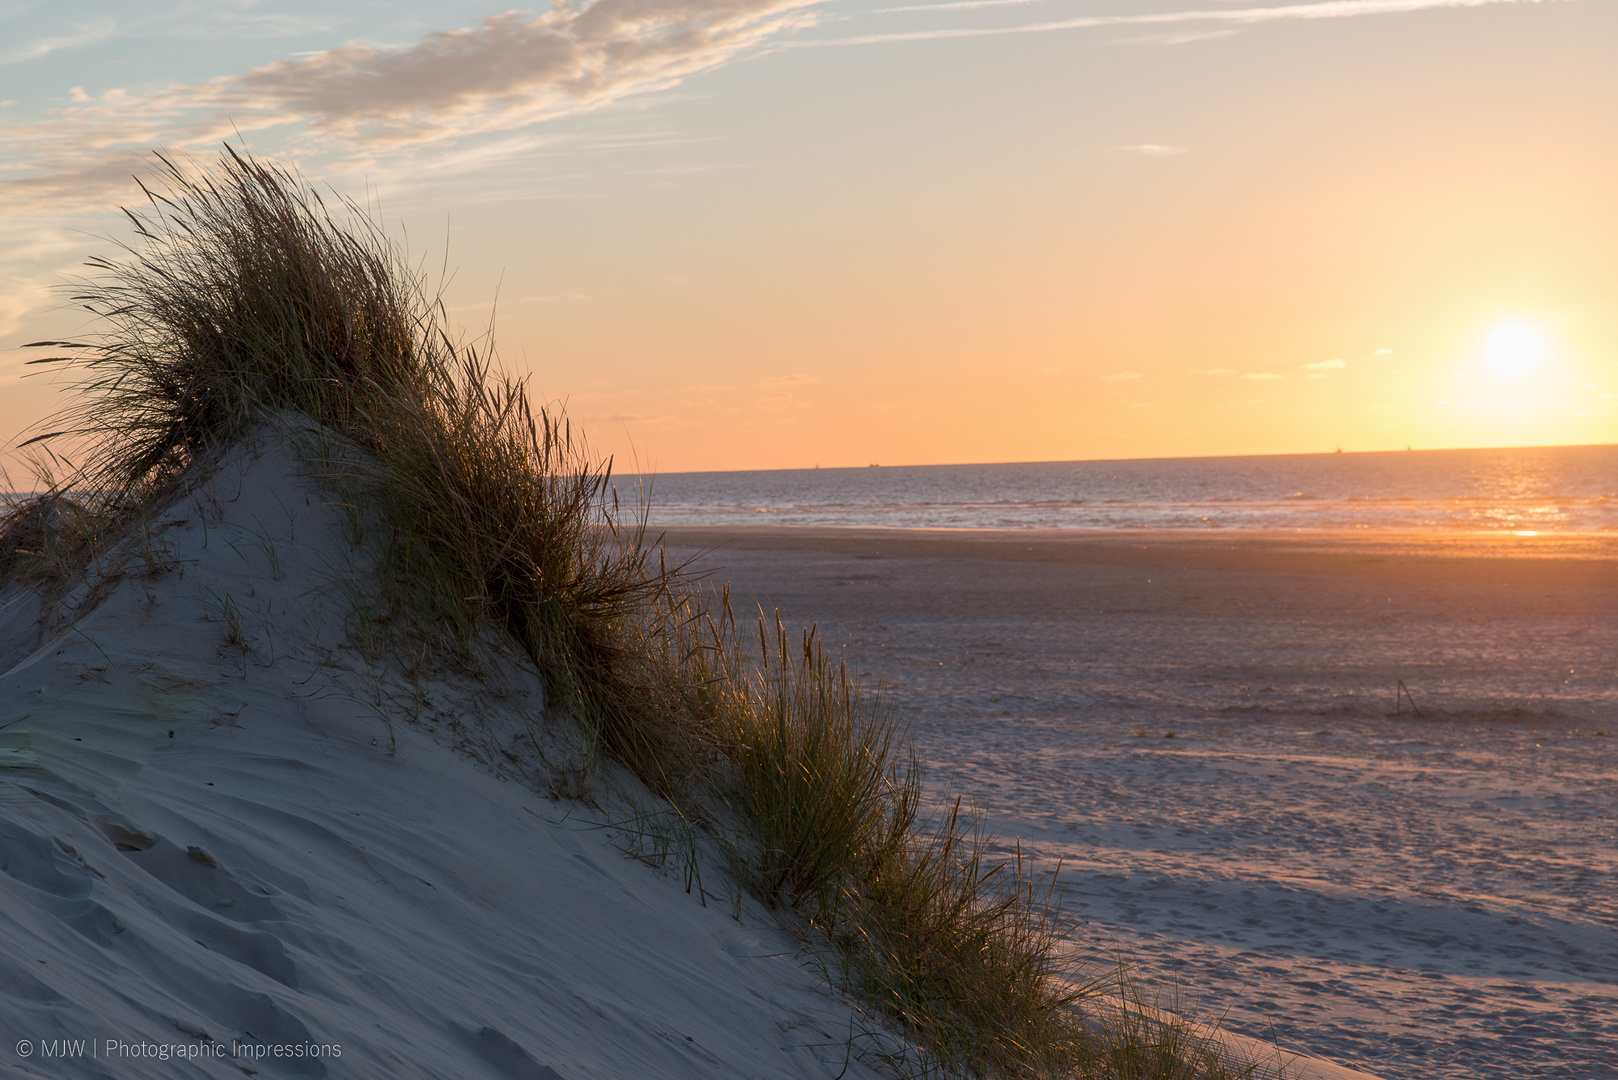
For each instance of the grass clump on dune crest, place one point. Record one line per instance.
(244, 295)
(498, 514)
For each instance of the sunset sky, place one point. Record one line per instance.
(741, 234)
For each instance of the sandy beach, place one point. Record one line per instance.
(1419, 897)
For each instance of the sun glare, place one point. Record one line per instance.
(1514, 349)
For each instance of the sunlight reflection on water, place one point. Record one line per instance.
(1525, 491)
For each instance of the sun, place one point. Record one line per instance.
(1514, 349)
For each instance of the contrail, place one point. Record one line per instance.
(1331, 9)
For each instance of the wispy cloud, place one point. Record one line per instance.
(1325, 365)
(89, 33)
(209, 20)
(1154, 150)
(1123, 376)
(510, 71)
(1263, 376)
(629, 418)
(1330, 9)
(30, 244)
(1178, 37)
(1213, 371)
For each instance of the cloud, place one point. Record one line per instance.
(1123, 376)
(1329, 9)
(206, 20)
(15, 307)
(628, 418)
(510, 71)
(36, 250)
(90, 33)
(1154, 150)
(1384, 352)
(1319, 368)
(1213, 371)
(788, 380)
(1263, 376)
(1180, 37)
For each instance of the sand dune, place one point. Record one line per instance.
(215, 848)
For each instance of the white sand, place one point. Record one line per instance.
(207, 844)
(1426, 899)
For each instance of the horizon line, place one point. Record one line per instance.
(1120, 460)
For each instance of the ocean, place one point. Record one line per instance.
(1536, 489)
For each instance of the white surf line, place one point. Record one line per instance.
(1330, 9)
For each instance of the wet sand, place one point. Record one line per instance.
(1420, 897)
(1529, 558)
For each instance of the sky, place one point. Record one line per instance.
(739, 234)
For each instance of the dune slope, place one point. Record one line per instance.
(214, 848)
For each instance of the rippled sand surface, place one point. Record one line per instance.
(1419, 897)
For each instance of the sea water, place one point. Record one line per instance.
(1536, 489)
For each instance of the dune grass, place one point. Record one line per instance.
(244, 296)
(958, 952)
(45, 536)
